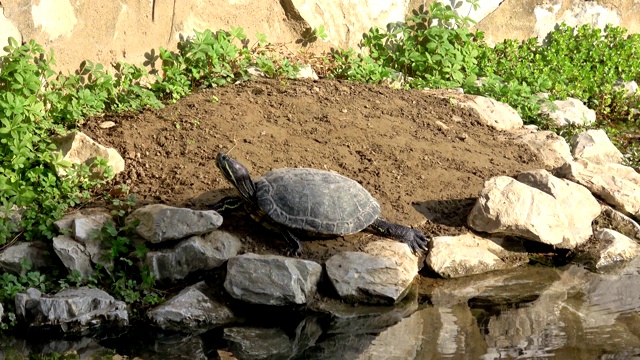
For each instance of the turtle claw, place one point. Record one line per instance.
(295, 246)
(417, 241)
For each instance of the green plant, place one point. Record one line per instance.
(433, 48)
(208, 59)
(11, 284)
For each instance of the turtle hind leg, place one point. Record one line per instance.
(294, 244)
(417, 241)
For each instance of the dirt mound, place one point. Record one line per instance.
(424, 158)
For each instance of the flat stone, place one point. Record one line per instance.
(160, 223)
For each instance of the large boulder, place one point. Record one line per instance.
(538, 207)
(84, 226)
(580, 207)
(73, 255)
(383, 273)
(272, 279)
(507, 206)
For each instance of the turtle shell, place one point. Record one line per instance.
(318, 202)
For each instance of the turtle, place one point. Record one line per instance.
(306, 203)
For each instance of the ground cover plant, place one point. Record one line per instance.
(434, 48)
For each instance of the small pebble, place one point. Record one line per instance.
(107, 124)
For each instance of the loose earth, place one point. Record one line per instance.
(422, 156)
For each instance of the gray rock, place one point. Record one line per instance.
(160, 223)
(191, 311)
(271, 279)
(579, 206)
(193, 254)
(35, 252)
(73, 254)
(66, 223)
(616, 184)
(630, 87)
(382, 273)
(550, 147)
(73, 310)
(467, 254)
(86, 229)
(249, 343)
(14, 218)
(595, 146)
(570, 112)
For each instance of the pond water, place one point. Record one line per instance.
(529, 313)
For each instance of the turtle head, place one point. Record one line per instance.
(237, 174)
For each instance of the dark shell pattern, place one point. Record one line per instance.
(316, 201)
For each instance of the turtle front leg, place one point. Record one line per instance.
(295, 246)
(227, 204)
(417, 241)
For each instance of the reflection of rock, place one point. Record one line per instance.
(249, 343)
(502, 288)
(351, 329)
(175, 347)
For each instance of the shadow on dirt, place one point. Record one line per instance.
(452, 212)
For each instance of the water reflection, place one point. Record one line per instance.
(530, 313)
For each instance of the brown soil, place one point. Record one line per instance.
(424, 158)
